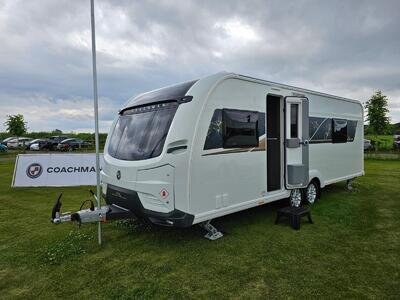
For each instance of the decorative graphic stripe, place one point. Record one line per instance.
(261, 147)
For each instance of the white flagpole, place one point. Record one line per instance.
(96, 113)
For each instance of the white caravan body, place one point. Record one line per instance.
(192, 152)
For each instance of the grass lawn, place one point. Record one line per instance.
(352, 250)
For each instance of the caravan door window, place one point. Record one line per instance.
(294, 120)
(240, 128)
(140, 132)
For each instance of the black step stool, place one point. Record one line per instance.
(294, 214)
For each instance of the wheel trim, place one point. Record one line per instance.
(311, 193)
(295, 197)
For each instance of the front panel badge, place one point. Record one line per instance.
(164, 193)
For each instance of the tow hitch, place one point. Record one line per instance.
(89, 215)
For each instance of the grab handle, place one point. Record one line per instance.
(176, 148)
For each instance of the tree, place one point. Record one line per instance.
(377, 110)
(56, 132)
(15, 125)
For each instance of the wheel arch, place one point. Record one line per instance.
(316, 175)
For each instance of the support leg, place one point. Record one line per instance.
(309, 218)
(296, 222)
(212, 232)
(348, 185)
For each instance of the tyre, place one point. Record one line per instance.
(311, 193)
(296, 197)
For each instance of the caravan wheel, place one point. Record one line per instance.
(295, 198)
(311, 193)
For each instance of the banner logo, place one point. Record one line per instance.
(34, 170)
(55, 169)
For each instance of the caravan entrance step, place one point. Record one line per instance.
(294, 214)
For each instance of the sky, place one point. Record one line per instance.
(345, 48)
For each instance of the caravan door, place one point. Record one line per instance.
(296, 142)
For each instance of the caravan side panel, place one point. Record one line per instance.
(223, 178)
(334, 162)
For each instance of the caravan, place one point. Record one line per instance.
(188, 153)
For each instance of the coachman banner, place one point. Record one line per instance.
(55, 169)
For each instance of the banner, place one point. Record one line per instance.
(55, 169)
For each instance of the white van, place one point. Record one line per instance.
(191, 152)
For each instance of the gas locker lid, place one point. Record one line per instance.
(155, 188)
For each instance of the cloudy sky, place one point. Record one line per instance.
(347, 48)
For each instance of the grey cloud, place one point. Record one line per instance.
(347, 48)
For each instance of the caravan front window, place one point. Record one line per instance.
(140, 132)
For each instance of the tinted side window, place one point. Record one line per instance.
(214, 134)
(320, 130)
(339, 131)
(261, 124)
(239, 128)
(351, 130)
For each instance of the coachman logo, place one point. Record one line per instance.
(118, 174)
(34, 170)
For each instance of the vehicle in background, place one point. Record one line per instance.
(18, 142)
(72, 144)
(3, 148)
(36, 141)
(39, 144)
(396, 143)
(34, 147)
(367, 145)
(5, 141)
(53, 141)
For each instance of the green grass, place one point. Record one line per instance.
(352, 250)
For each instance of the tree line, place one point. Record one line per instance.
(376, 114)
(16, 126)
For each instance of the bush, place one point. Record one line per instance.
(381, 142)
